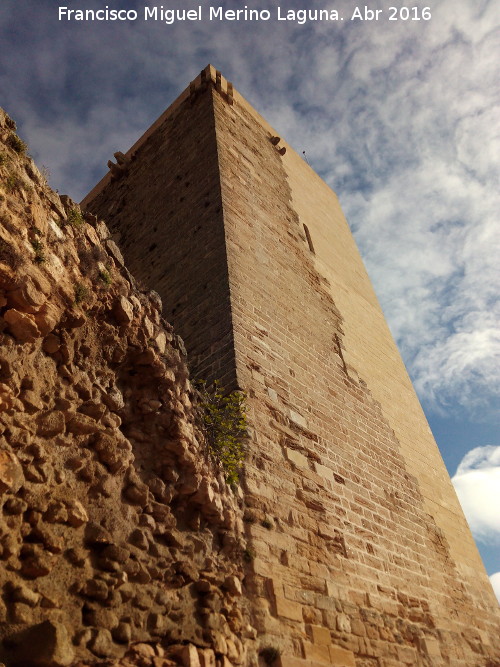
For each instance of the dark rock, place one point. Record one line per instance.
(139, 539)
(122, 633)
(95, 589)
(97, 535)
(15, 506)
(137, 495)
(46, 644)
(35, 561)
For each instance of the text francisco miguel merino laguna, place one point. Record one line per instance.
(169, 16)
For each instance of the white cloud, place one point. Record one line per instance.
(495, 582)
(477, 483)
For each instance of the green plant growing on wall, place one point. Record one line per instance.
(225, 427)
(12, 183)
(75, 218)
(37, 246)
(17, 144)
(8, 254)
(248, 555)
(81, 292)
(105, 277)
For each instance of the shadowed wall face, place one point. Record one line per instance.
(167, 214)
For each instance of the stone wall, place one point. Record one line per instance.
(357, 555)
(120, 541)
(165, 210)
(351, 567)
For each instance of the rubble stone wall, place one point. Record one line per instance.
(120, 541)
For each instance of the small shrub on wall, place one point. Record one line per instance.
(225, 427)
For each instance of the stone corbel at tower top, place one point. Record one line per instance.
(120, 167)
(212, 76)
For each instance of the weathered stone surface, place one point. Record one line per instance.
(47, 318)
(288, 609)
(11, 472)
(430, 646)
(123, 310)
(51, 344)
(189, 656)
(297, 458)
(115, 252)
(76, 513)
(320, 635)
(113, 398)
(102, 644)
(317, 653)
(144, 650)
(30, 297)
(79, 424)
(36, 562)
(22, 326)
(102, 231)
(233, 585)
(8, 400)
(50, 423)
(97, 535)
(15, 506)
(137, 494)
(343, 623)
(342, 657)
(25, 595)
(206, 658)
(108, 451)
(96, 589)
(122, 633)
(46, 644)
(139, 539)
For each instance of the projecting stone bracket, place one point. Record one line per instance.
(120, 167)
(275, 142)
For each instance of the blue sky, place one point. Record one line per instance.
(400, 117)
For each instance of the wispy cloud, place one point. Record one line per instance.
(477, 483)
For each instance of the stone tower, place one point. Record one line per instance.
(359, 552)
